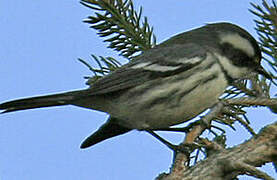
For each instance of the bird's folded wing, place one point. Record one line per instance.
(154, 63)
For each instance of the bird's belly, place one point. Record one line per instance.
(171, 109)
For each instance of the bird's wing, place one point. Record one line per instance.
(160, 61)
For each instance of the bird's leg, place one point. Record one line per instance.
(193, 130)
(184, 149)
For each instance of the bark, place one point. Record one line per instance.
(224, 164)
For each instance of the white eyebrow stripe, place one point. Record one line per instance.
(238, 42)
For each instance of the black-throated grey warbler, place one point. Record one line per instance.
(167, 85)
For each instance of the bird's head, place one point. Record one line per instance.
(239, 52)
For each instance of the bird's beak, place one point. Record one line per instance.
(262, 71)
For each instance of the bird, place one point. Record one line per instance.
(167, 85)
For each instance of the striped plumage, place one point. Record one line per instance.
(172, 99)
(167, 85)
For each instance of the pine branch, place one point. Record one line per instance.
(105, 66)
(122, 27)
(223, 163)
(266, 27)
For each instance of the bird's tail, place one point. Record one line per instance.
(108, 130)
(42, 101)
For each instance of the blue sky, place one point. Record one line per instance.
(40, 44)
